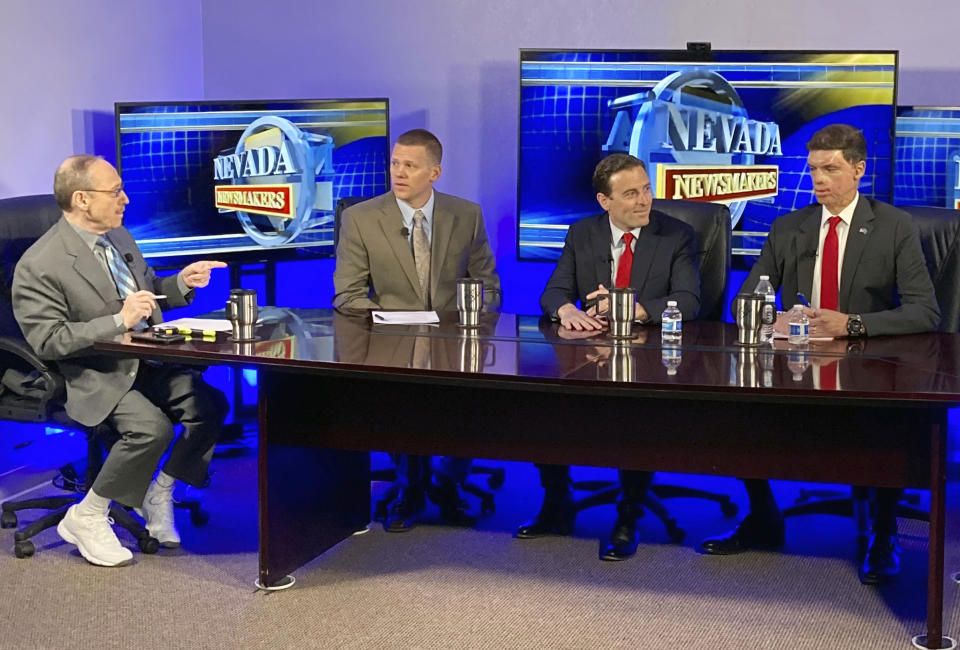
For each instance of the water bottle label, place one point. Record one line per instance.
(768, 315)
(799, 329)
(672, 326)
(671, 353)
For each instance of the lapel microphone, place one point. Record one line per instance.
(405, 232)
(128, 257)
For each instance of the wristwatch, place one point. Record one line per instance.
(855, 325)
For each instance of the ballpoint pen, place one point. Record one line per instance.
(802, 299)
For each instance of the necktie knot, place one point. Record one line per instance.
(418, 218)
(102, 241)
(834, 221)
(627, 238)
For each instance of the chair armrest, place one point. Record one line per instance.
(24, 354)
(19, 348)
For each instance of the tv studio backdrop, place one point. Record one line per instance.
(463, 83)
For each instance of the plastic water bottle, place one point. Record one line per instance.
(765, 355)
(798, 363)
(671, 327)
(671, 356)
(765, 290)
(799, 326)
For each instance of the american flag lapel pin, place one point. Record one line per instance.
(863, 231)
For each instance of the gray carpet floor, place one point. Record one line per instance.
(440, 587)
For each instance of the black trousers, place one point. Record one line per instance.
(633, 483)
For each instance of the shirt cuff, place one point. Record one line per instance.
(184, 289)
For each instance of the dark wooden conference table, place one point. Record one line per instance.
(333, 386)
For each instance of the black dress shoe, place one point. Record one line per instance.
(753, 532)
(882, 563)
(453, 509)
(556, 515)
(405, 511)
(623, 540)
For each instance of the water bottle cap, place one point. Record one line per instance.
(671, 303)
(800, 307)
(764, 277)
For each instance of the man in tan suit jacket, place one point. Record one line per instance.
(405, 250)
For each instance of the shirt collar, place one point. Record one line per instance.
(408, 211)
(89, 238)
(846, 215)
(616, 234)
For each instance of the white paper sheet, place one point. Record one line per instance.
(199, 324)
(405, 317)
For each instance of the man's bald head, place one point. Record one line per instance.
(73, 175)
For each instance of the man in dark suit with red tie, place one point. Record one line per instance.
(861, 264)
(637, 247)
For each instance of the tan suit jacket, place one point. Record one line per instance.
(375, 266)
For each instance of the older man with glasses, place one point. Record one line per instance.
(86, 279)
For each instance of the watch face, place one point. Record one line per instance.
(854, 326)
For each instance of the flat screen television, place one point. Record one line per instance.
(927, 156)
(248, 180)
(727, 126)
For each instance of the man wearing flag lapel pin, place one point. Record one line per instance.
(861, 263)
(85, 279)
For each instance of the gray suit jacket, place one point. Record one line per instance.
(375, 267)
(883, 276)
(664, 266)
(64, 300)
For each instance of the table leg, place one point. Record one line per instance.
(310, 498)
(938, 483)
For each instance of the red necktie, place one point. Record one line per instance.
(828, 376)
(626, 262)
(829, 284)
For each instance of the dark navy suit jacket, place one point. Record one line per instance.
(664, 266)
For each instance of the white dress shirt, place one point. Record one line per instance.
(843, 229)
(427, 211)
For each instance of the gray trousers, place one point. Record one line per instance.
(144, 419)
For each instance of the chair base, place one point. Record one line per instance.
(495, 479)
(23, 547)
(856, 506)
(606, 493)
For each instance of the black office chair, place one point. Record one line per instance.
(495, 475)
(33, 391)
(711, 223)
(940, 239)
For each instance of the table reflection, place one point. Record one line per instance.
(471, 350)
(506, 346)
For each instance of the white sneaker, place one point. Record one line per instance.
(95, 538)
(157, 511)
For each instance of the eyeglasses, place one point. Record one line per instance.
(116, 193)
